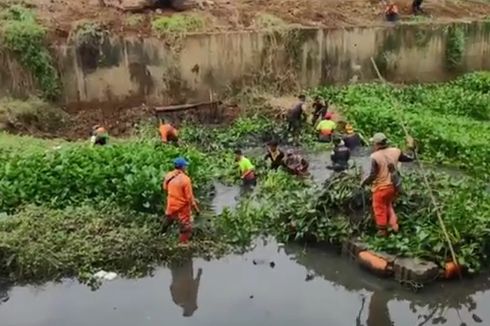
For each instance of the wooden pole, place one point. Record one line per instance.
(426, 180)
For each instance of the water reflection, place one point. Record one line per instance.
(225, 197)
(334, 292)
(430, 306)
(4, 295)
(379, 314)
(184, 287)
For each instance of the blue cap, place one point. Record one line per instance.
(180, 162)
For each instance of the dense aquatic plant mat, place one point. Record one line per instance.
(129, 174)
(450, 121)
(341, 209)
(243, 133)
(39, 243)
(59, 180)
(291, 209)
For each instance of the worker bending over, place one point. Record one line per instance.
(320, 109)
(247, 170)
(295, 163)
(296, 116)
(100, 136)
(167, 132)
(326, 128)
(391, 12)
(385, 180)
(274, 154)
(340, 156)
(180, 200)
(351, 139)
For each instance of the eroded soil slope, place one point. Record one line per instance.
(62, 15)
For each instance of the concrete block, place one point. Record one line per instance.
(413, 269)
(353, 247)
(386, 256)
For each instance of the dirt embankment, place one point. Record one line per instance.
(61, 15)
(41, 119)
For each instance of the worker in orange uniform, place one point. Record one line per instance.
(100, 136)
(386, 181)
(168, 133)
(391, 12)
(180, 200)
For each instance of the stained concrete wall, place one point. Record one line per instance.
(129, 69)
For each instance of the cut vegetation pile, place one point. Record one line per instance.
(73, 210)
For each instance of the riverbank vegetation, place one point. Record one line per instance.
(69, 209)
(22, 35)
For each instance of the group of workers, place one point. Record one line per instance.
(392, 13)
(168, 133)
(383, 176)
(343, 136)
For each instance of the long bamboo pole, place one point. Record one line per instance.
(424, 175)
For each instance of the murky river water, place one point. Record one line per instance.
(271, 285)
(304, 287)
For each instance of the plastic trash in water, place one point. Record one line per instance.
(103, 275)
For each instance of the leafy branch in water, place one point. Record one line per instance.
(23, 36)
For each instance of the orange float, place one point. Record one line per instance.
(373, 262)
(451, 270)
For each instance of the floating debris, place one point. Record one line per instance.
(103, 275)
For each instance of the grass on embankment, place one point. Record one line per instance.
(178, 24)
(30, 116)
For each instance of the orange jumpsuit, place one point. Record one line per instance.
(180, 200)
(384, 192)
(168, 133)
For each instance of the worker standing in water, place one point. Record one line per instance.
(168, 133)
(320, 109)
(247, 170)
(180, 200)
(340, 156)
(351, 139)
(385, 180)
(274, 154)
(325, 128)
(100, 136)
(295, 163)
(296, 117)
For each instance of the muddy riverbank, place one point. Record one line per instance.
(305, 286)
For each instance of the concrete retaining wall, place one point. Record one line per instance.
(129, 69)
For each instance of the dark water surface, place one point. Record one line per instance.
(304, 287)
